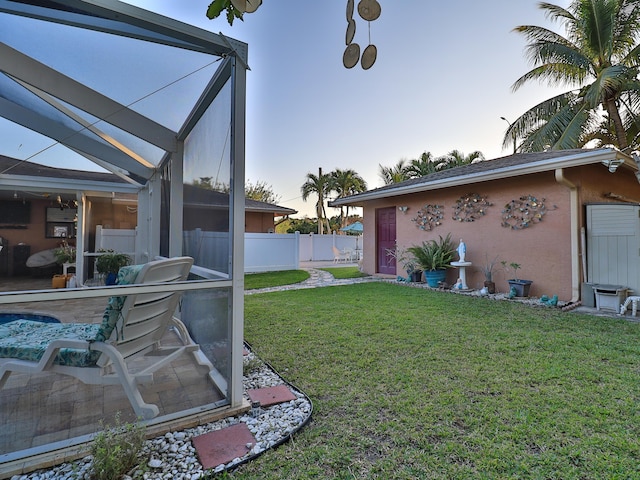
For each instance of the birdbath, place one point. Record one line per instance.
(462, 265)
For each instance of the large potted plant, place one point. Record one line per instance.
(109, 262)
(521, 287)
(434, 257)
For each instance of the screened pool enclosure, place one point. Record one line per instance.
(159, 105)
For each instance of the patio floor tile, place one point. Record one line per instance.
(222, 446)
(271, 395)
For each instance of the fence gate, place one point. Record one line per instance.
(613, 245)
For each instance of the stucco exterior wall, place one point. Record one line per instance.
(543, 249)
(256, 222)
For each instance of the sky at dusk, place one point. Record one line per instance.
(441, 81)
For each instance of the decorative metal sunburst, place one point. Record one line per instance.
(470, 207)
(428, 217)
(524, 212)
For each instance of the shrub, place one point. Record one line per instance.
(116, 449)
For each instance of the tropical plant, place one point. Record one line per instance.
(111, 261)
(487, 268)
(260, 191)
(434, 254)
(512, 267)
(598, 58)
(320, 185)
(456, 158)
(425, 164)
(65, 254)
(345, 183)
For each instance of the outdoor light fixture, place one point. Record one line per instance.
(403, 208)
(613, 164)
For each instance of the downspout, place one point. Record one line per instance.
(575, 236)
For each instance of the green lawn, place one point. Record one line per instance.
(274, 279)
(408, 383)
(344, 272)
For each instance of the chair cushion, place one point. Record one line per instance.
(126, 276)
(28, 340)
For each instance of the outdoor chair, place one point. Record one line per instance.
(339, 256)
(104, 353)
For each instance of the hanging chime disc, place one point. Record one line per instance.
(369, 57)
(351, 31)
(369, 9)
(349, 9)
(351, 55)
(252, 5)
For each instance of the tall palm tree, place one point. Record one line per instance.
(423, 165)
(321, 185)
(345, 183)
(598, 59)
(397, 173)
(456, 158)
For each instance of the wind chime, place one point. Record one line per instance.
(369, 10)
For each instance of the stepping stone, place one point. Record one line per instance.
(222, 446)
(271, 395)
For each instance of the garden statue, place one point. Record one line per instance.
(462, 250)
(459, 285)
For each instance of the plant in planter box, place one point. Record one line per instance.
(109, 262)
(521, 286)
(487, 269)
(434, 257)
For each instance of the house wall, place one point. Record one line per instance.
(257, 222)
(34, 234)
(543, 249)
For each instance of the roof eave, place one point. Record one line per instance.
(497, 174)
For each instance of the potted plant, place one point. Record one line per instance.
(434, 257)
(521, 286)
(65, 254)
(487, 270)
(109, 262)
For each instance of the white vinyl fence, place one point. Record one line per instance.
(263, 252)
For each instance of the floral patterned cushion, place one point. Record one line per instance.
(28, 340)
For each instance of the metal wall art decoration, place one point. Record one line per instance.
(524, 212)
(428, 217)
(369, 10)
(470, 207)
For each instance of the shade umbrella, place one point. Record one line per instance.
(355, 227)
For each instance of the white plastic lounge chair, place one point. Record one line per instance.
(339, 256)
(132, 326)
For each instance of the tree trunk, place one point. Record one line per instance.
(614, 116)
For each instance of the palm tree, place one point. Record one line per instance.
(599, 59)
(345, 183)
(321, 185)
(397, 173)
(423, 165)
(456, 158)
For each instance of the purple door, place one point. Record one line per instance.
(385, 240)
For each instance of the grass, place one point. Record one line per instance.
(274, 279)
(344, 272)
(408, 383)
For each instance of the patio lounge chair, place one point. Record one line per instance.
(132, 326)
(339, 256)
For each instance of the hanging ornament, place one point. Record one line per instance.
(369, 10)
